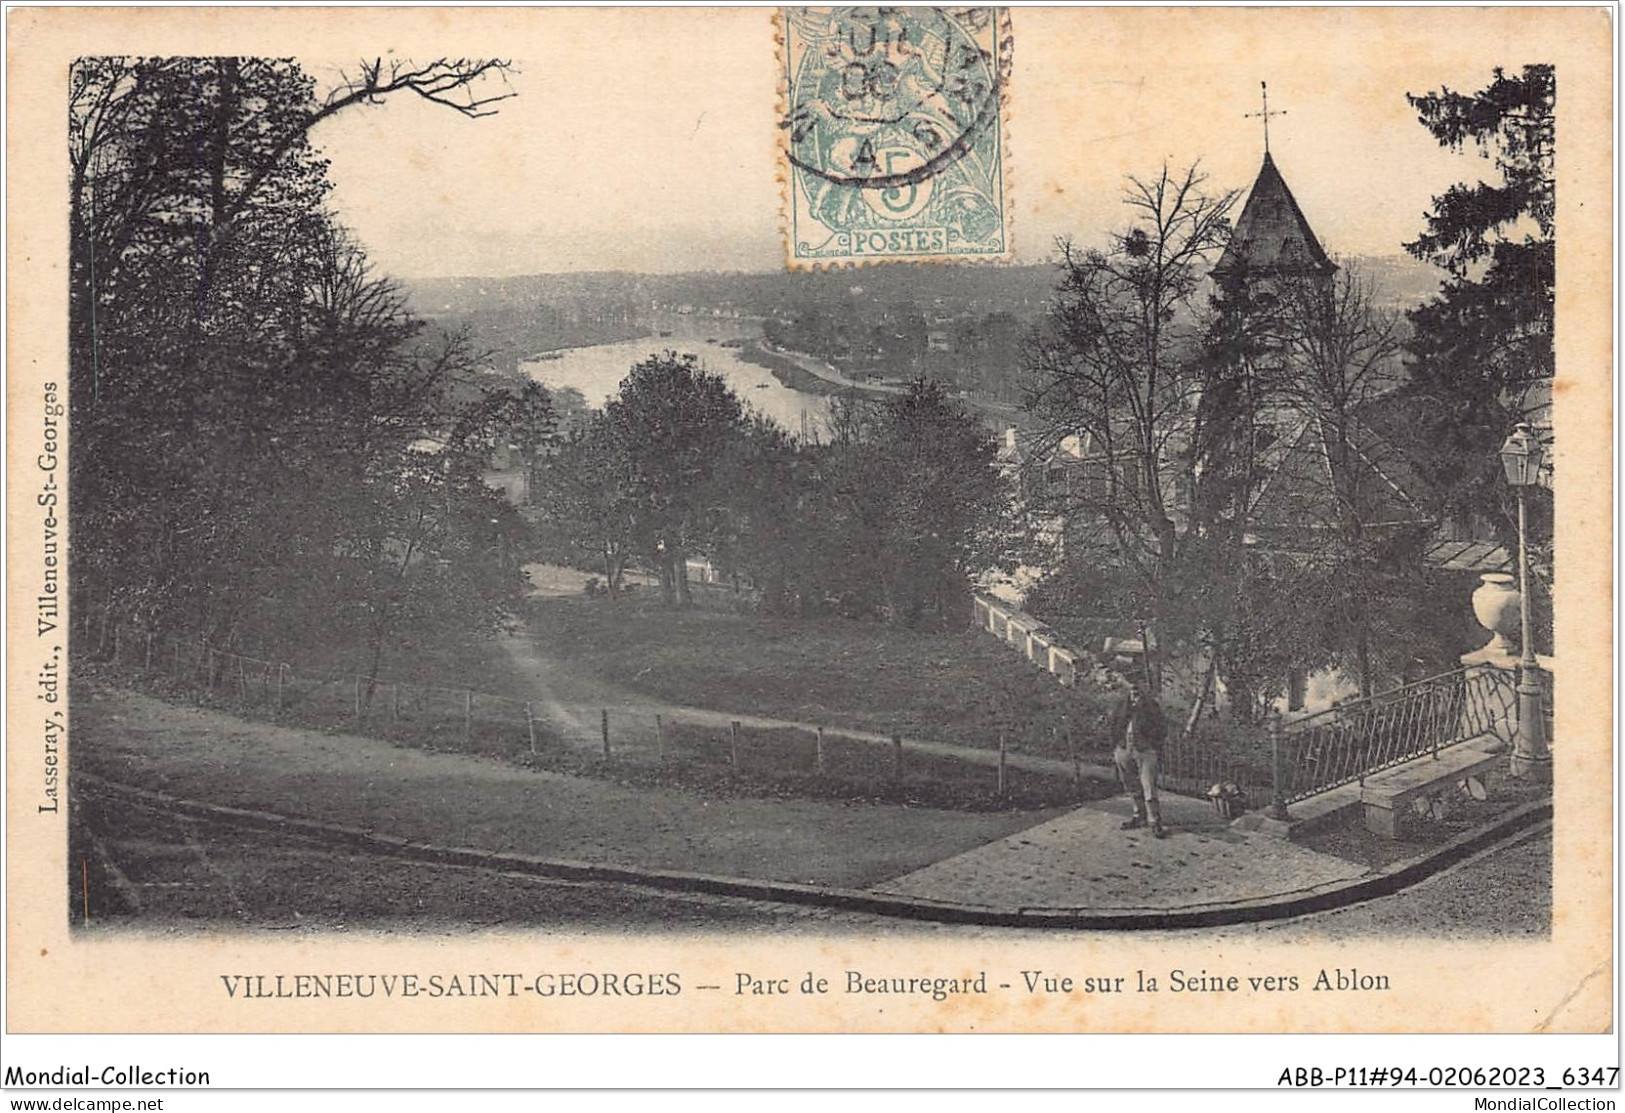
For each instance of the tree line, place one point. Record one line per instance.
(270, 448)
(969, 350)
(266, 443)
(892, 515)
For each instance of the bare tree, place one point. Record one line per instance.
(1120, 385)
(1342, 353)
(1344, 349)
(451, 82)
(139, 130)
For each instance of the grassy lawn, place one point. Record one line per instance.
(187, 876)
(786, 762)
(419, 698)
(452, 658)
(961, 686)
(440, 716)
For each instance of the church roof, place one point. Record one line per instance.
(1302, 495)
(1272, 233)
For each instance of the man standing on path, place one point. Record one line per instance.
(1137, 729)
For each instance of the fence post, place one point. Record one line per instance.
(733, 745)
(530, 725)
(279, 669)
(1003, 754)
(208, 666)
(818, 752)
(468, 715)
(148, 664)
(242, 682)
(897, 757)
(358, 699)
(1431, 729)
(1072, 754)
(1277, 808)
(603, 729)
(395, 703)
(660, 739)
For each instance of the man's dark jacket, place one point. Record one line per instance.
(1150, 727)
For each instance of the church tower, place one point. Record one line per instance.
(1272, 241)
(1322, 462)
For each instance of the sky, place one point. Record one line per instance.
(645, 139)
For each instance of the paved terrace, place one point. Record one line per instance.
(1083, 860)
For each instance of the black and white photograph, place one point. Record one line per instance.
(811, 520)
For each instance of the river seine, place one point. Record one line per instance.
(597, 371)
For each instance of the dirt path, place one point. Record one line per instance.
(458, 799)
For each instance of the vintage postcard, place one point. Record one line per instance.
(811, 520)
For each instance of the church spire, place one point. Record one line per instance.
(1272, 235)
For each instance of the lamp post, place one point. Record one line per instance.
(1520, 457)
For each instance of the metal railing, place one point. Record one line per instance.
(1193, 766)
(1347, 743)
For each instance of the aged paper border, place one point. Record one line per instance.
(144, 984)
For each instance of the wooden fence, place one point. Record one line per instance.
(683, 745)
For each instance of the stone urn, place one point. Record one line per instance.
(1496, 605)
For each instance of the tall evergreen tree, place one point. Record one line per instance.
(1482, 347)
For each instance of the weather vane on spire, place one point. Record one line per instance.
(1265, 115)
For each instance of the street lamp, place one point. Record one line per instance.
(1520, 457)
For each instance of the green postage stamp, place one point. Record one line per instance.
(893, 134)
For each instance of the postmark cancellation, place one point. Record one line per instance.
(892, 141)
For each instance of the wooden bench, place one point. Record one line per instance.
(1388, 797)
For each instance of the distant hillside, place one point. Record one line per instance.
(603, 296)
(1018, 290)
(514, 319)
(517, 318)
(964, 324)
(1398, 281)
